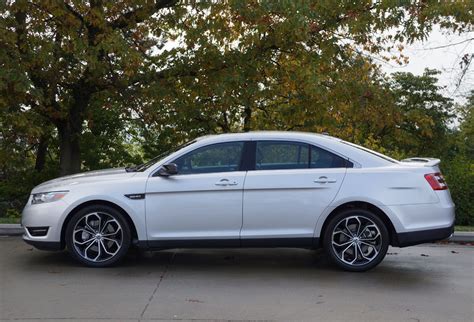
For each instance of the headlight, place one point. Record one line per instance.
(47, 197)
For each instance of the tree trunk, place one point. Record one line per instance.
(247, 118)
(225, 124)
(41, 153)
(70, 131)
(69, 149)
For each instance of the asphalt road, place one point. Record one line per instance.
(424, 283)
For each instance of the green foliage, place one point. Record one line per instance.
(458, 165)
(16, 186)
(463, 228)
(5, 220)
(424, 112)
(459, 173)
(12, 213)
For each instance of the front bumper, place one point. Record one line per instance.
(44, 245)
(423, 236)
(49, 216)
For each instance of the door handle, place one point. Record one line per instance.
(324, 179)
(225, 183)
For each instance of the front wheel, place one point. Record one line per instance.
(98, 236)
(356, 240)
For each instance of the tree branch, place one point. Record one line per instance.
(140, 14)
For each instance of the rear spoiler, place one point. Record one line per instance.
(428, 162)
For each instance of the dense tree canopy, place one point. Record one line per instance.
(94, 84)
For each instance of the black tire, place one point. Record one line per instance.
(120, 246)
(378, 251)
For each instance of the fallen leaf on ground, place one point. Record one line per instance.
(194, 301)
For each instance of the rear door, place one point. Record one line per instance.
(289, 187)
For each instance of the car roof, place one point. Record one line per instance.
(255, 135)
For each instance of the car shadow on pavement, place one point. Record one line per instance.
(275, 264)
(286, 263)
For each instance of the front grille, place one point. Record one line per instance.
(37, 231)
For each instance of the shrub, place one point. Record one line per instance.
(459, 173)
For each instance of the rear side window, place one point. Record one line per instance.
(281, 155)
(222, 157)
(324, 159)
(380, 155)
(275, 155)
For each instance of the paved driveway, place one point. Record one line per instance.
(424, 283)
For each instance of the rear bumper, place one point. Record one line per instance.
(418, 217)
(423, 236)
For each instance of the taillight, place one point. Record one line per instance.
(436, 181)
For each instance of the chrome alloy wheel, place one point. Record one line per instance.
(356, 240)
(97, 237)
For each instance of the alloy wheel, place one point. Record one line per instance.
(356, 240)
(97, 237)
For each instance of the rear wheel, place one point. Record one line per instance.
(356, 240)
(98, 236)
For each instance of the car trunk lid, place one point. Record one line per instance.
(421, 161)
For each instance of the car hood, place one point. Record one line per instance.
(81, 178)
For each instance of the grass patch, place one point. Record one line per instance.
(464, 228)
(4, 220)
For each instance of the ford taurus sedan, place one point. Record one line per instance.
(257, 189)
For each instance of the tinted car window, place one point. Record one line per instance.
(222, 157)
(324, 159)
(274, 155)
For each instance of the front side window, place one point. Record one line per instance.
(275, 155)
(222, 157)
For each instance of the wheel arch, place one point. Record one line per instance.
(71, 213)
(366, 206)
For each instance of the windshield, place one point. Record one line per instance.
(148, 164)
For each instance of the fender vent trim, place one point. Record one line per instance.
(135, 196)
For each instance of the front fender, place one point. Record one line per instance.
(135, 208)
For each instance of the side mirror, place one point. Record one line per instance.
(167, 170)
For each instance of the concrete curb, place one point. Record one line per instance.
(463, 237)
(16, 229)
(11, 230)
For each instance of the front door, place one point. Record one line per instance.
(200, 205)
